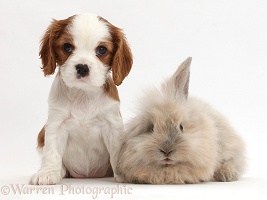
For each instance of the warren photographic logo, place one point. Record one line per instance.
(65, 189)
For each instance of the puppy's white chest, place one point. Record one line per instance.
(85, 154)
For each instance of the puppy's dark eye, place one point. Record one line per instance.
(68, 47)
(181, 127)
(101, 51)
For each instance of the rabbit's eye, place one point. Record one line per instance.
(151, 128)
(181, 127)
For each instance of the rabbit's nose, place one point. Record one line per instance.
(166, 152)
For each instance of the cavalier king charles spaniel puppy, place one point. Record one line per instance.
(80, 137)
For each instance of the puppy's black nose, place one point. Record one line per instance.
(82, 69)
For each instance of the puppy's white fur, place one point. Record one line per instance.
(83, 120)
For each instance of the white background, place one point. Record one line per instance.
(228, 43)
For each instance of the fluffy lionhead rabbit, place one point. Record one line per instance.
(179, 139)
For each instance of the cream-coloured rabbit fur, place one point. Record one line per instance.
(179, 139)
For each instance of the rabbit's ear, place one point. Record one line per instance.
(177, 86)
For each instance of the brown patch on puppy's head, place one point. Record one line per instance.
(52, 45)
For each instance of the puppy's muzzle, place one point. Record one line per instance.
(82, 70)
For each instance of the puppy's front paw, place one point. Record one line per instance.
(44, 177)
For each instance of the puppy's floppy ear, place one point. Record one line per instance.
(47, 53)
(47, 48)
(122, 59)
